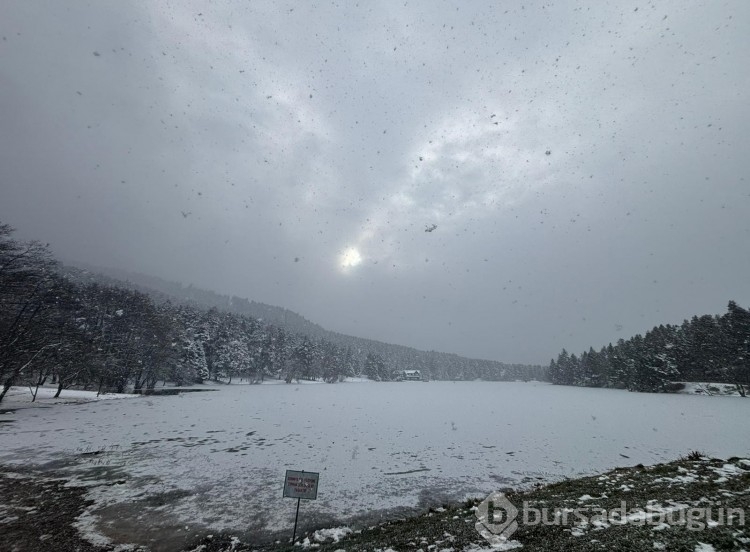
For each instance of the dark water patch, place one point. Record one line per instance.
(168, 391)
(408, 471)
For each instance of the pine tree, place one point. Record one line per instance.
(620, 373)
(349, 364)
(375, 367)
(736, 324)
(302, 359)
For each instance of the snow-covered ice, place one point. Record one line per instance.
(217, 459)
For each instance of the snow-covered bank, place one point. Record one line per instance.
(45, 396)
(708, 388)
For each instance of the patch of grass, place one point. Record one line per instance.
(694, 456)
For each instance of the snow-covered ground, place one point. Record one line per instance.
(708, 388)
(23, 397)
(217, 459)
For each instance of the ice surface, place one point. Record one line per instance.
(217, 459)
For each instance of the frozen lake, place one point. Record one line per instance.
(216, 460)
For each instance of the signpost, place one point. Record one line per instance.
(300, 485)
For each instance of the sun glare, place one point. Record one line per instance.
(350, 258)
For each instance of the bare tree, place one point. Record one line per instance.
(27, 284)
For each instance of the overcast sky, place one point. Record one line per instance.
(586, 164)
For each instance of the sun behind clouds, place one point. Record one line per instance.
(350, 258)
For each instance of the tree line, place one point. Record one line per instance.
(377, 360)
(703, 349)
(70, 333)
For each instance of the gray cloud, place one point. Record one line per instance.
(586, 165)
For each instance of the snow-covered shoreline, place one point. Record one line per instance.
(19, 396)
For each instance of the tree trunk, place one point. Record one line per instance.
(39, 382)
(7, 385)
(138, 383)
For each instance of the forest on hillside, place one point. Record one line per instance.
(434, 364)
(705, 348)
(85, 334)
